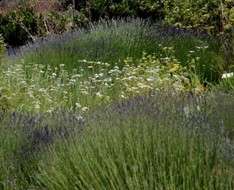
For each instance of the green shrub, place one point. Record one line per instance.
(19, 26)
(24, 23)
(120, 8)
(213, 16)
(227, 47)
(60, 22)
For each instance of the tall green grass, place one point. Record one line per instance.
(137, 154)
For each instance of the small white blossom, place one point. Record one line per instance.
(150, 79)
(78, 105)
(99, 94)
(186, 111)
(227, 75)
(37, 106)
(84, 109)
(54, 75)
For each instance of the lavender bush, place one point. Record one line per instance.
(145, 143)
(168, 116)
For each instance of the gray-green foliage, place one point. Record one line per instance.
(136, 154)
(163, 140)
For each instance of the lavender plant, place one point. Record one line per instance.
(37, 148)
(145, 142)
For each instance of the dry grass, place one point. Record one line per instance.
(6, 6)
(40, 6)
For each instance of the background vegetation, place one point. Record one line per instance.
(213, 16)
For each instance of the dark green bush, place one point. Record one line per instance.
(19, 26)
(1, 44)
(2, 47)
(133, 8)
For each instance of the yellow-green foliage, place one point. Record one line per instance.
(214, 16)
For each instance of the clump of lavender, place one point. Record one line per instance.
(164, 139)
(33, 137)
